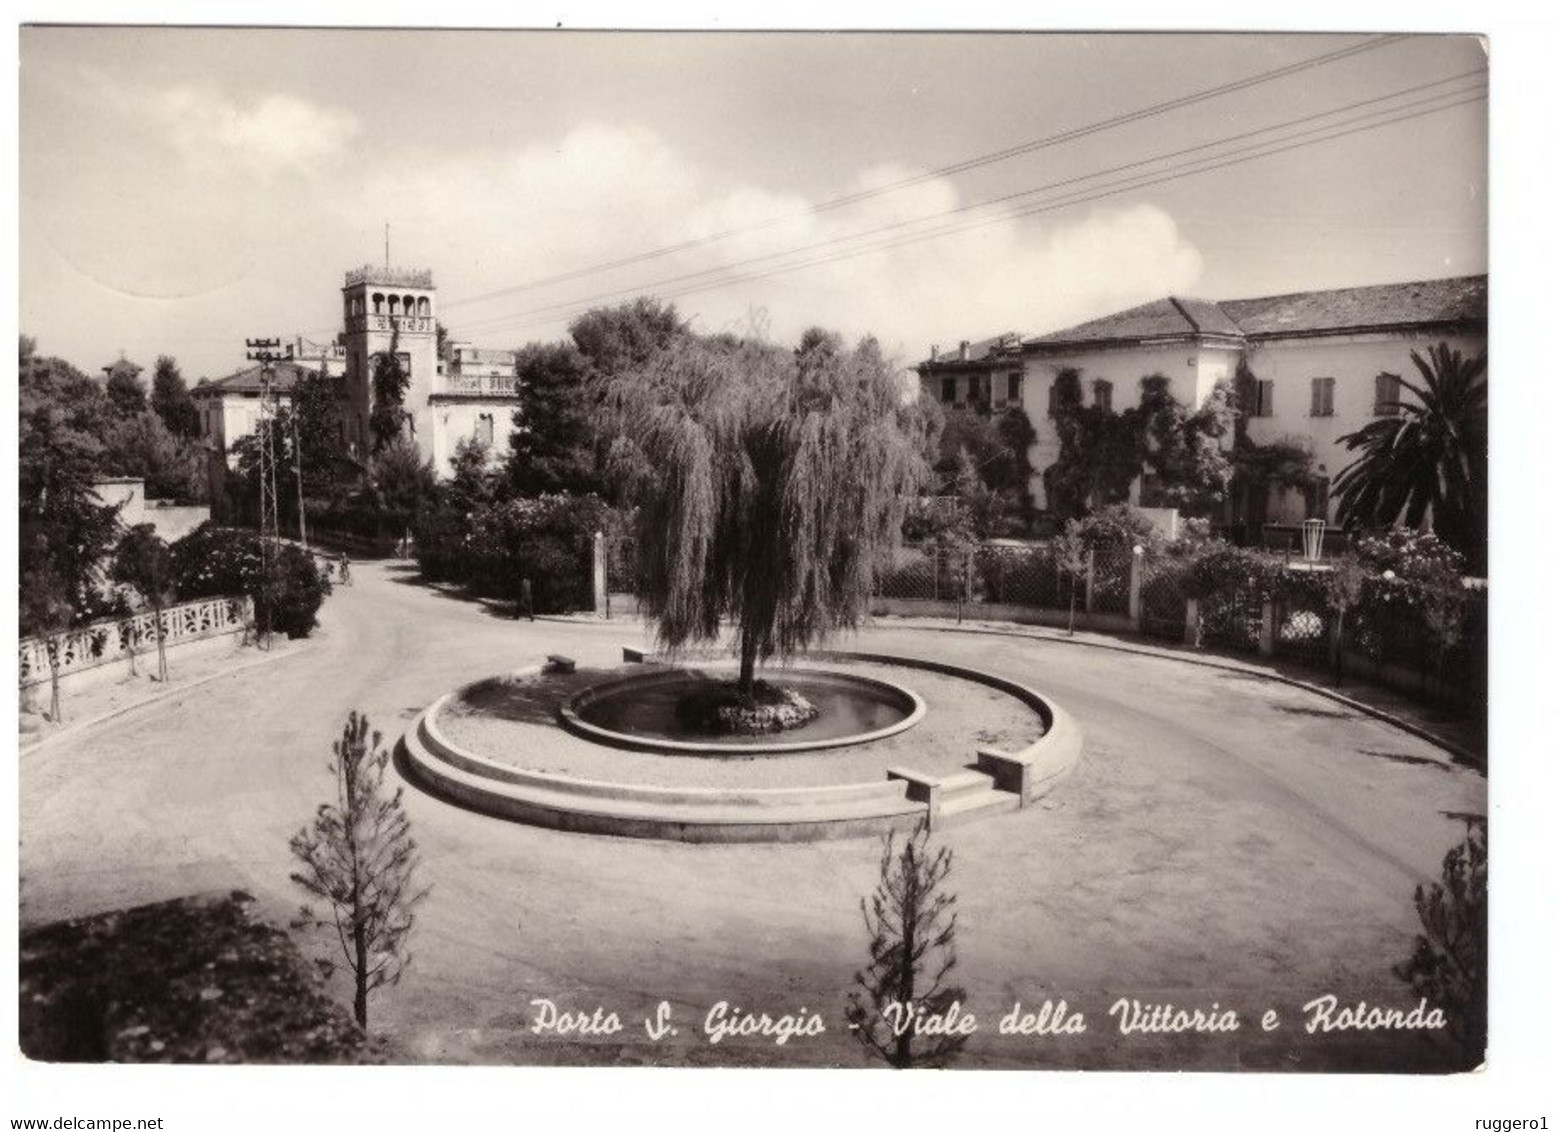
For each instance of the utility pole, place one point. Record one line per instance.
(266, 351)
(297, 470)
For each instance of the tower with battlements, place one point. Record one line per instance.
(389, 310)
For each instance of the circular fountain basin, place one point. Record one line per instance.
(639, 712)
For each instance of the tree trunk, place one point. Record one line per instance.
(162, 655)
(748, 676)
(903, 1046)
(54, 689)
(360, 973)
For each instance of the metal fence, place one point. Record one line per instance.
(622, 565)
(1021, 575)
(1393, 642)
(1231, 621)
(1163, 600)
(1302, 628)
(1111, 587)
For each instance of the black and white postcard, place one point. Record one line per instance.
(765, 549)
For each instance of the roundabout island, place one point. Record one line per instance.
(896, 741)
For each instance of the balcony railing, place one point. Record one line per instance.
(406, 324)
(472, 385)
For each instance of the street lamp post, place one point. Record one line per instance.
(1314, 532)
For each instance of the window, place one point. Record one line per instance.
(484, 430)
(1261, 405)
(1321, 390)
(1387, 389)
(1103, 393)
(1015, 388)
(949, 390)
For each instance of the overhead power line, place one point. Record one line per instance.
(499, 321)
(1147, 112)
(1269, 147)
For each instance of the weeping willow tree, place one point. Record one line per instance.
(771, 485)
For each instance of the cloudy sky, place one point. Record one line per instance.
(181, 190)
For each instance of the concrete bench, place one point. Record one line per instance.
(1012, 773)
(556, 663)
(920, 787)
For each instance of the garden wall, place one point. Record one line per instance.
(109, 649)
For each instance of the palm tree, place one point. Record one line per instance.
(1426, 466)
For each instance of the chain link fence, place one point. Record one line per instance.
(1397, 642)
(1231, 621)
(1112, 579)
(1302, 628)
(1163, 597)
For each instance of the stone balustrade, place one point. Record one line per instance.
(476, 385)
(103, 642)
(406, 324)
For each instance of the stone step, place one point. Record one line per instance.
(964, 783)
(969, 807)
(638, 817)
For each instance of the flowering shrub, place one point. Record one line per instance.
(1224, 569)
(1411, 557)
(493, 546)
(219, 562)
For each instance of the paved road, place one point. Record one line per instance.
(1225, 838)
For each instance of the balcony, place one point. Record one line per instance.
(474, 386)
(406, 324)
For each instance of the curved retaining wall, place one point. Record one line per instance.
(1005, 780)
(913, 706)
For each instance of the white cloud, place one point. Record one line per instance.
(601, 194)
(265, 253)
(279, 131)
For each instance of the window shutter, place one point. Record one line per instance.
(1385, 395)
(1321, 396)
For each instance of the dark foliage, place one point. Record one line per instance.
(391, 379)
(1429, 463)
(171, 400)
(773, 488)
(1449, 965)
(142, 561)
(126, 393)
(65, 529)
(553, 445)
(220, 562)
(195, 980)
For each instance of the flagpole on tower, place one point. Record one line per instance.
(386, 243)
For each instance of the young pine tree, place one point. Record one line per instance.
(358, 857)
(1449, 964)
(141, 560)
(911, 921)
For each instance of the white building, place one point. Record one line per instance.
(1316, 358)
(384, 310)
